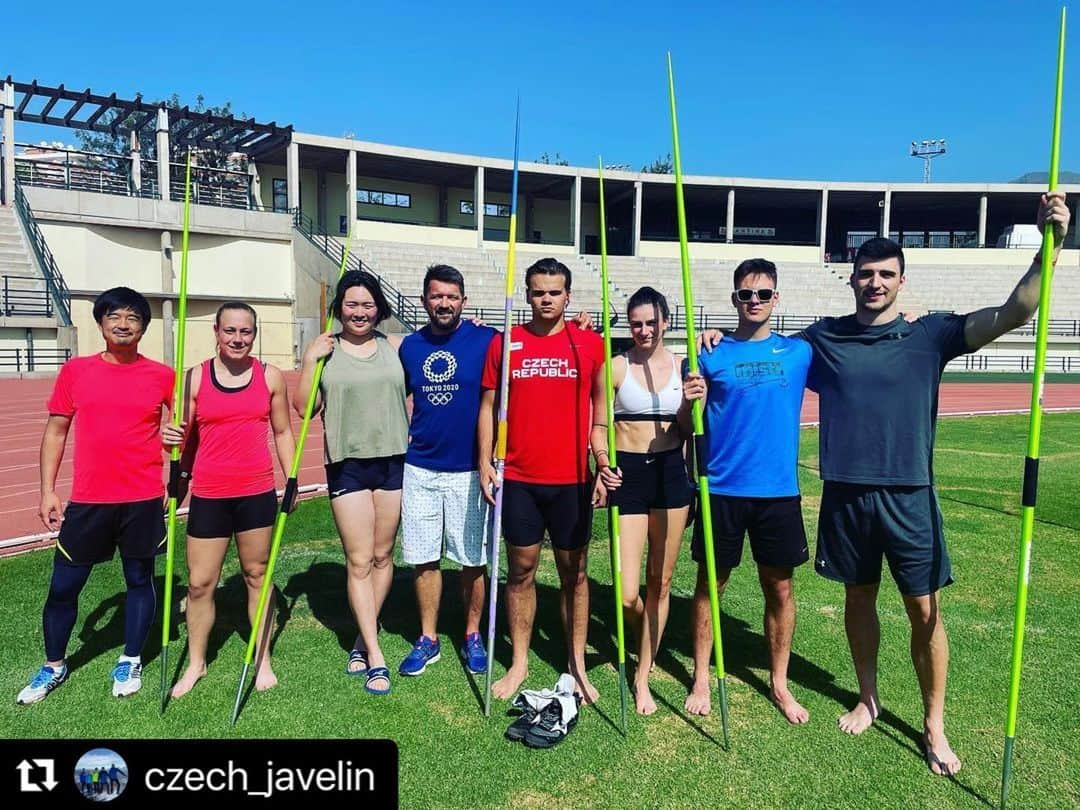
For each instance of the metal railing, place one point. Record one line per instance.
(223, 188)
(1058, 327)
(493, 316)
(1013, 362)
(102, 173)
(724, 320)
(15, 299)
(404, 308)
(74, 169)
(18, 360)
(54, 280)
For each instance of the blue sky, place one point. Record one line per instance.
(830, 90)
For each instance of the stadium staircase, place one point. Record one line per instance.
(35, 305)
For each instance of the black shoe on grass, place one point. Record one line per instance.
(548, 730)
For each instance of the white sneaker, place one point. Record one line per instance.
(127, 678)
(44, 681)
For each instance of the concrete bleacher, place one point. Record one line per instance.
(962, 288)
(807, 290)
(404, 265)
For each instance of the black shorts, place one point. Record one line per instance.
(91, 532)
(775, 526)
(358, 474)
(859, 525)
(211, 518)
(651, 481)
(563, 510)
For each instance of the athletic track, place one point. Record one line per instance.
(22, 416)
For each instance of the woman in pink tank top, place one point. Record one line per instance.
(235, 404)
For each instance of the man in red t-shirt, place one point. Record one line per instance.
(552, 364)
(115, 400)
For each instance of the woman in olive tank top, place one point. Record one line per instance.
(365, 426)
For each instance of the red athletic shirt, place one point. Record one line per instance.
(550, 409)
(233, 456)
(116, 410)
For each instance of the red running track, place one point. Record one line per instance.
(22, 417)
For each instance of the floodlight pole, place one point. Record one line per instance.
(928, 150)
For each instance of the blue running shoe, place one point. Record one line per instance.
(424, 652)
(127, 678)
(474, 654)
(44, 681)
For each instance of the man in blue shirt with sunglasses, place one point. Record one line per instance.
(754, 380)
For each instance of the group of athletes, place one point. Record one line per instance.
(409, 432)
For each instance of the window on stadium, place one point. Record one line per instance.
(281, 194)
(490, 209)
(388, 198)
(916, 239)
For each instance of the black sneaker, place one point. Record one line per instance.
(543, 733)
(521, 726)
(517, 730)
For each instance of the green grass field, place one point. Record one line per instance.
(452, 757)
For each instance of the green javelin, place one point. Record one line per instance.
(174, 455)
(613, 511)
(699, 427)
(286, 506)
(1031, 463)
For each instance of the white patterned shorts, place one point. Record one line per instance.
(438, 506)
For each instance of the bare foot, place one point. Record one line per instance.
(507, 686)
(589, 693)
(643, 699)
(697, 702)
(789, 706)
(188, 680)
(861, 717)
(265, 679)
(939, 755)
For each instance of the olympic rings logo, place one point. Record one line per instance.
(440, 398)
(440, 376)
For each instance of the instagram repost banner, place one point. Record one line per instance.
(166, 773)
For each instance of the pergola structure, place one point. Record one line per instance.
(169, 127)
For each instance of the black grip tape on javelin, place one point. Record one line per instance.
(289, 496)
(1031, 481)
(700, 454)
(174, 478)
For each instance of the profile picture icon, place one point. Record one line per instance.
(101, 775)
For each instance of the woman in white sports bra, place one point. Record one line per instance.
(650, 486)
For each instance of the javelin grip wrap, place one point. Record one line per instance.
(173, 489)
(700, 454)
(1031, 481)
(289, 497)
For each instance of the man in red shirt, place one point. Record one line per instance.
(552, 364)
(115, 399)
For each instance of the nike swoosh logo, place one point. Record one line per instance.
(337, 492)
(650, 460)
(778, 351)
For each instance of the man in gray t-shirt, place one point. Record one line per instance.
(877, 377)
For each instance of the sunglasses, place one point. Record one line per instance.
(764, 295)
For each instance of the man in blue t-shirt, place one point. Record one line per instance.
(878, 378)
(753, 384)
(441, 497)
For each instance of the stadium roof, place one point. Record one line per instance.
(58, 106)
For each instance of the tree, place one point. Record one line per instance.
(553, 160)
(107, 143)
(662, 165)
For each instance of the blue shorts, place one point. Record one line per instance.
(859, 525)
(359, 474)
